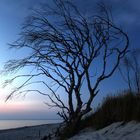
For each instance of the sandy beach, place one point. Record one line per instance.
(115, 131)
(28, 133)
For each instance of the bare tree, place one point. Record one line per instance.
(71, 50)
(127, 76)
(130, 70)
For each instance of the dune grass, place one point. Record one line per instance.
(122, 107)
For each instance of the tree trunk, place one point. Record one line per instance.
(72, 127)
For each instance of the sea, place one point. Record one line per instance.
(10, 124)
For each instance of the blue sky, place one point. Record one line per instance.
(126, 13)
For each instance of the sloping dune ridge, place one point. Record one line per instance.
(115, 131)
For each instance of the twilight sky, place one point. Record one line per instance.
(126, 13)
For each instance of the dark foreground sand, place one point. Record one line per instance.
(28, 133)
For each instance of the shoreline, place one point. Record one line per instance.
(24, 127)
(10, 124)
(28, 132)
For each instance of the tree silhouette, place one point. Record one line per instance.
(71, 50)
(130, 71)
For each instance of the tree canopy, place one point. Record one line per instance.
(71, 50)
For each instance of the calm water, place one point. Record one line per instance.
(7, 124)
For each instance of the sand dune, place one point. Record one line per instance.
(115, 131)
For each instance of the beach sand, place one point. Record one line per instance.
(115, 131)
(28, 133)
